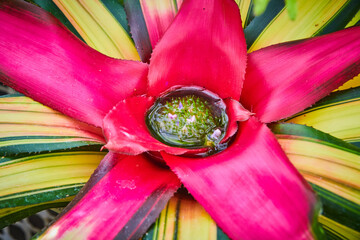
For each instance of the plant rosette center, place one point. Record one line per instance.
(188, 117)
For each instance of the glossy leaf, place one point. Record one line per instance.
(130, 135)
(31, 176)
(337, 114)
(183, 218)
(150, 19)
(302, 72)
(235, 185)
(98, 27)
(22, 118)
(214, 59)
(331, 165)
(45, 157)
(341, 212)
(334, 226)
(100, 210)
(66, 75)
(11, 215)
(313, 18)
(45, 177)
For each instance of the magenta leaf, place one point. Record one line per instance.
(122, 199)
(284, 79)
(126, 131)
(42, 59)
(190, 54)
(251, 189)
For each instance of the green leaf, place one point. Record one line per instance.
(46, 157)
(338, 114)
(246, 11)
(313, 18)
(117, 10)
(355, 20)
(44, 178)
(99, 28)
(291, 8)
(184, 218)
(338, 208)
(11, 215)
(260, 6)
(138, 28)
(332, 167)
(54, 10)
(334, 230)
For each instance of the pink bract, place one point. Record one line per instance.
(250, 189)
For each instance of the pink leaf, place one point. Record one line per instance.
(190, 54)
(43, 60)
(122, 199)
(126, 131)
(284, 79)
(251, 189)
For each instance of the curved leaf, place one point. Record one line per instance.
(249, 181)
(57, 69)
(116, 8)
(246, 8)
(100, 210)
(11, 215)
(148, 21)
(331, 166)
(355, 82)
(46, 157)
(313, 18)
(338, 114)
(99, 28)
(183, 218)
(22, 118)
(138, 29)
(302, 72)
(54, 10)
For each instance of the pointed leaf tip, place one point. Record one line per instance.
(284, 79)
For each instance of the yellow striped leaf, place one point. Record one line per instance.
(45, 158)
(99, 28)
(245, 7)
(337, 114)
(331, 166)
(355, 82)
(183, 218)
(11, 215)
(354, 20)
(313, 18)
(22, 116)
(334, 229)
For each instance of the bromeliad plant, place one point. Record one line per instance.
(196, 114)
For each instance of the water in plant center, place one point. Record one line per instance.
(188, 117)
